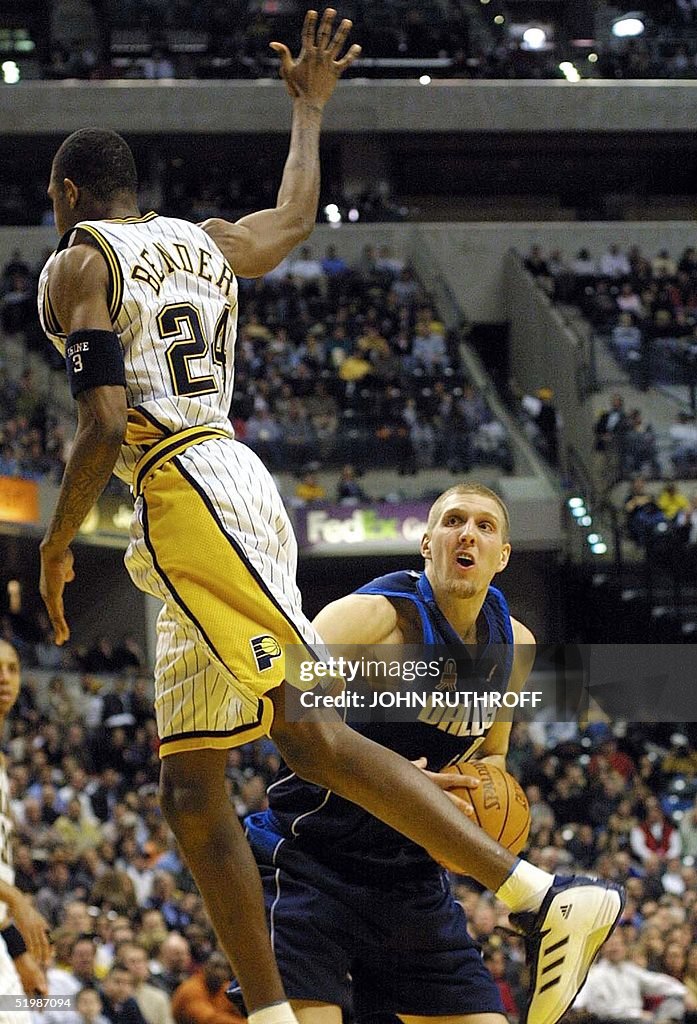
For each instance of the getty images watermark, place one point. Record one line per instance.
(350, 670)
(463, 690)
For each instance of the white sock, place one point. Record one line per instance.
(277, 1013)
(525, 887)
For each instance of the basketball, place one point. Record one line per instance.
(500, 805)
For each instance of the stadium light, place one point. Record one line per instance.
(628, 26)
(575, 502)
(10, 72)
(534, 37)
(332, 213)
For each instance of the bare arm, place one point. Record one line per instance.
(30, 923)
(358, 619)
(256, 244)
(78, 287)
(495, 746)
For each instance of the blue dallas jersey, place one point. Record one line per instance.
(342, 835)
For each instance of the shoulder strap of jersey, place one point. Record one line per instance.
(113, 263)
(403, 585)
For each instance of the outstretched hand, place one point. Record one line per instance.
(313, 76)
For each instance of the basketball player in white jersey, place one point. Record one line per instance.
(24, 947)
(145, 310)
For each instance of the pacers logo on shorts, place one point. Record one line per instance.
(265, 648)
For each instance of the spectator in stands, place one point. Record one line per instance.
(119, 1004)
(202, 1000)
(333, 265)
(639, 453)
(654, 836)
(608, 429)
(80, 972)
(629, 301)
(16, 304)
(663, 265)
(643, 515)
(172, 964)
(152, 1001)
(309, 490)
(583, 265)
(88, 1006)
(305, 268)
(625, 338)
(348, 489)
(614, 263)
(495, 960)
(672, 501)
(543, 415)
(387, 263)
(616, 987)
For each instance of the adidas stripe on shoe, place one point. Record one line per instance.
(562, 941)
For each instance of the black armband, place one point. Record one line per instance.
(13, 940)
(93, 359)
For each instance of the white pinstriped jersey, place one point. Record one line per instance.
(6, 826)
(173, 303)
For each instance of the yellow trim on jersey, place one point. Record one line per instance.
(132, 220)
(50, 319)
(221, 741)
(167, 449)
(114, 266)
(141, 431)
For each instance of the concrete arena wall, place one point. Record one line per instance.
(469, 258)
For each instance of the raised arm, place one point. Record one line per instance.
(257, 243)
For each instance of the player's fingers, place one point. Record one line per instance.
(285, 55)
(60, 627)
(463, 805)
(308, 33)
(449, 780)
(325, 28)
(42, 948)
(339, 39)
(353, 54)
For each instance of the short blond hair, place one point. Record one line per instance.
(467, 488)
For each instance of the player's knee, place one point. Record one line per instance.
(184, 802)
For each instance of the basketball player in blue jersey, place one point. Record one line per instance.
(144, 309)
(24, 948)
(361, 918)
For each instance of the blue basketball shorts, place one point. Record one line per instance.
(366, 949)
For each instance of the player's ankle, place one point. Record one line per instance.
(276, 1013)
(525, 887)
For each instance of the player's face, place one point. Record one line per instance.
(9, 677)
(465, 549)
